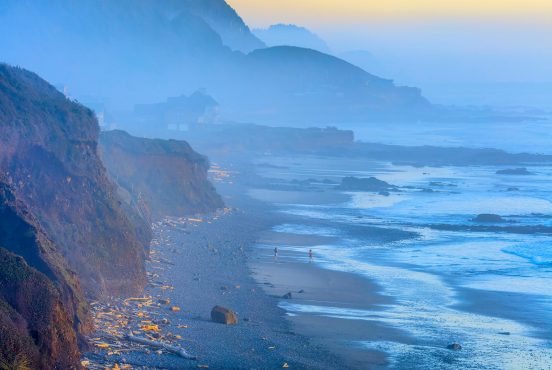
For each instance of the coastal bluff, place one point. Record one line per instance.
(158, 178)
(61, 216)
(76, 208)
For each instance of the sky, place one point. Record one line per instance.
(320, 12)
(467, 49)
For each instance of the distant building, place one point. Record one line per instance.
(178, 113)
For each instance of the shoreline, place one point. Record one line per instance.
(334, 319)
(197, 265)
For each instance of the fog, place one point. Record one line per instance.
(477, 62)
(115, 55)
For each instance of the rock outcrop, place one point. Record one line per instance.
(159, 177)
(365, 184)
(488, 218)
(514, 171)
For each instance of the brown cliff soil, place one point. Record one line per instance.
(48, 153)
(35, 329)
(62, 220)
(159, 177)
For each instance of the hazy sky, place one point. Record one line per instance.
(431, 43)
(320, 12)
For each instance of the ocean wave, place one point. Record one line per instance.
(539, 254)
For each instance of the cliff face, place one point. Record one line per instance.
(42, 307)
(159, 177)
(48, 155)
(35, 329)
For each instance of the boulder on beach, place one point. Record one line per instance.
(488, 218)
(287, 295)
(223, 315)
(514, 171)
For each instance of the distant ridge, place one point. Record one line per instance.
(122, 53)
(291, 35)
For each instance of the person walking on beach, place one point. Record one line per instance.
(275, 252)
(310, 255)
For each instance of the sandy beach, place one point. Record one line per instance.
(196, 265)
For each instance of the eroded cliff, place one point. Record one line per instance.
(159, 177)
(48, 154)
(62, 226)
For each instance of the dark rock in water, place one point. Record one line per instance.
(301, 291)
(384, 193)
(514, 171)
(287, 295)
(488, 218)
(428, 190)
(454, 346)
(512, 189)
(223, 315)
(365, 184)
(504, 333)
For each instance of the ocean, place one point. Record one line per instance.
(452, 279)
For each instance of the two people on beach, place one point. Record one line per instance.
(276, 254)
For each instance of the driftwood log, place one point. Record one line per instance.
(167, 347)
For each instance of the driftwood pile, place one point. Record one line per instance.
(139, 324)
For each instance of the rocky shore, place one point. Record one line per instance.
(194, 265)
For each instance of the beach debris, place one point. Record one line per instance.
(454, 346)
(203, 366)
(164, 346)
(287, 295)
(165, 301)
(285, 365)
(223, 315)
(102, 345)
(140, 299)
(154, 328)
(85, 363)
(175, 309)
